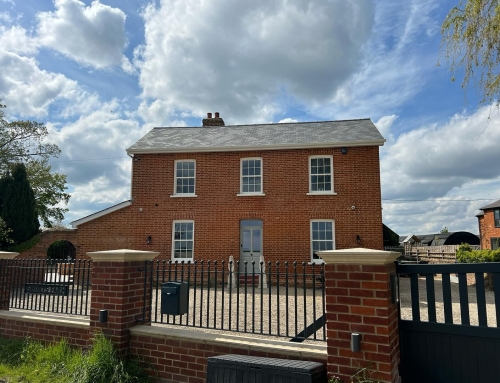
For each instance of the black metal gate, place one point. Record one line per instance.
(449, 331)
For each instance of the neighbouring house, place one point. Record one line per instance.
(284, 191)
(440, 239)
(489, 226)
(391, 238)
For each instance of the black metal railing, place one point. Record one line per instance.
(48, 286)
(465, 294)
(285, 299)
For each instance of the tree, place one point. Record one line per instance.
(471, 41)
(24, 142)
(4, 234)
(21, 141)
(18, 205)
(49, 189)
(444, 230)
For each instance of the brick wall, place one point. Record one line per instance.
(181, 355)
(487, 229)
(44, 327)
(47, 238)
(286, 209)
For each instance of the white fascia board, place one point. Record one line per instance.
(101, 213)
(349, 144)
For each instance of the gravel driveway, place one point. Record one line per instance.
(405, 299)
(271, 312)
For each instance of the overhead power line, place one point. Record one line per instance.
(91, 159)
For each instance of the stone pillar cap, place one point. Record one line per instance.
(8, 255)
(359, 256)
(122, 255)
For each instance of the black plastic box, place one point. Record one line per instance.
(253, 369)
(174, 298)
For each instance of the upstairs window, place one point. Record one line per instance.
(184, 177)
(251, 176)
(183, 240)
(321, 175)
(496, 217)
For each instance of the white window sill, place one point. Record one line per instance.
(250, 195)
(183, 195)
(322, 193)
(316, 262)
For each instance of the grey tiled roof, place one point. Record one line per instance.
(491, 205)
(262, 136)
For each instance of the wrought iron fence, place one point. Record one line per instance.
(284, 299)
(48, 286)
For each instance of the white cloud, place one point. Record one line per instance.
(29, 91)
(91, 35)
(94, 159)
(287, 120)
(450, 170)
(6, 17)
(393, 65)
(239, 57)
(384, 125)
(16, 40)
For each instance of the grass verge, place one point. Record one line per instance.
(29, 361)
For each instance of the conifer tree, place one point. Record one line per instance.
(18, 205)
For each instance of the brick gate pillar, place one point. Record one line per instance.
(358, 300)
(4, 278)
(118, 287)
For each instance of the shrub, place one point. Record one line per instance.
(465, 254)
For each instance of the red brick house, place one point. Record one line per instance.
(281, 190)
(489, 226)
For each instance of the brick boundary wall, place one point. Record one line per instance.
(358, 300)
(44, 327)
(180, 355)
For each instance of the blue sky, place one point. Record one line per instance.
(102, 74)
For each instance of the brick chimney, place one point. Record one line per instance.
(216, 121)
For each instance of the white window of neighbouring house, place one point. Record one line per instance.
(251, 176)
(495, 243)
(321, 175)
(185, 177)
(496, 216)
(183, 240)
(322, 237)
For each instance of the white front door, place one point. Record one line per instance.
(250, 245)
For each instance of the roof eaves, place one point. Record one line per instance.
(101, 213)
(492, 205)
(260, 147)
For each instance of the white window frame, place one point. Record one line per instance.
(175, 180)
(313, 260)
(174, 240)
(261, 193)
(492, 242)
(496, 217)
(321, 192)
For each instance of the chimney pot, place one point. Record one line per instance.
(212, 122)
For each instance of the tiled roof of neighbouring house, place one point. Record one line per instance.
(260, 136)
(491, 205)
